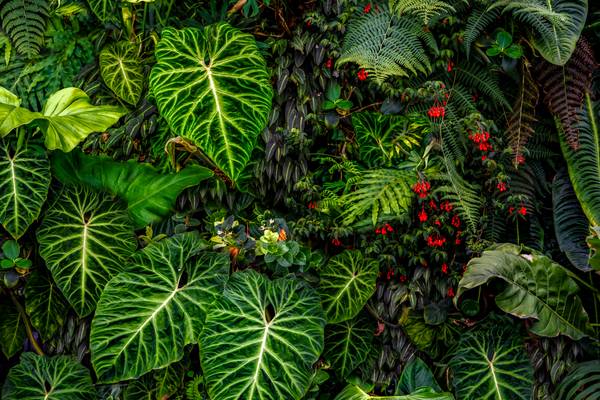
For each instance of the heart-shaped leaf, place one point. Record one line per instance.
(148, 313)
(348, 343)
(122, 70)
(212, 87)
(150, 195)
(347, 282)
(45, 304)
(24, 182)
(48, 378)
(261, 339)
(85, 238)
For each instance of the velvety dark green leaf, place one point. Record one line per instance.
(48, 378)
(122, 70)
(24, 182)
(149, 312)
(415, 375)
(261, 339)
(85, 239)
(12, 329)
(347, 283)
(150, 195)
(11, 249)
(353, 392)
(212, 87)
(45, 304)
(348, 343)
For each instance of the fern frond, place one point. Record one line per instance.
(565, 88)
(522, 120)
(25, 23)
(424, 9)
(379, 191)
(386, 46)
(480, 17)
(484, 80)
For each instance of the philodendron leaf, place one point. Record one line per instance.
(45, 304)
(149, 312)
(491, 364)
(105, 10)
(12, 329)
(11, 114)
(48, 378)
(347, 282)
(261, 339)
(24, 182)
(150, 195)
(85, 239)
(347, 344)
(212, 86)
(536, 287)
(122, 70)
(415, 375)
(353, 392)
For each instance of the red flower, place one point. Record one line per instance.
(378, 230)
(445, 268)
(437, 222)
(312, 205)
(455, 221)
(422, 215)
(446, 206)
(450, 292)
(389, 228)
(336, 242)
(450, 65)
(501, 186)
(522, 211)
(457, 241)
(362, 75)
(367, 8)
(390, 273)
(483, 158)
(329, 63)
(520, 159)
(308, 23)
(436, 112)
(435, 240)
(403, 278)
(432, 204)
(383, 231)
(511, 209)
(421, 188)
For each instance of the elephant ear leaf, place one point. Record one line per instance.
(122, 70)
(85, 238)
(24, 182)
(11, 114)
(271, 333)
(148, 313)
(150, 195)
(348, 344)
(536, 287)
(49, 378)
(212, 87)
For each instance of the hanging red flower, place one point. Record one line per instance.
(450, 292)
(329, 63)
(450, 65)
(422, 215)
(523, 211)
(312, 205)
(362, 74)
(455, 221)
(446, 206)
(445, 268)
(501, 186)
(336, 242)
(367, 8)
(403, 278)
(421, 189)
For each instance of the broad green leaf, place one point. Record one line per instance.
(353, 392)
(536, 287)
(348, 343)
(347, 282)
(150, 195)
(24, 182)
(105, 10)
(490, 363)
(12, 329)
(122, 70)
(149, 312)
(212, 86)
(11, 249)
(48, 378)
(11, 114)
(85, 238)
(416, 375)
(45, 304)
(261, 339)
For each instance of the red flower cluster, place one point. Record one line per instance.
(403, 278)
(422, 188)
(450, 65)
(362, 75)
(445, 268)
(501, 186)
(384, 230)
(435, 240)
(455, 221)
(312, 205)
(436, 112)
(422, 215)
(482, 140)
(329, 63)
(336, 242)
(446, 206)
(450, 292)
(522, 211)
(367, 8)
(389, 274)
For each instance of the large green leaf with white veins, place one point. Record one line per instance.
(150, 195)
(24, 182)
(12, 329)
(261, 339)
(48, 378)
(85, 238)
(212, 87)
(149, 312)
(490, 363)
(347, 344)
(536, 287)
(122, 70)
(45, 304)
(347, 282)
(353, 392)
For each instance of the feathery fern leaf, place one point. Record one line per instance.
(379, 191)
(424, 9)
(565, 88)
(386, 46)
(25, 22)
(484, 80)
(479, 18)
(522, 120)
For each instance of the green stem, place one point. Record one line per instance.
(28, 328)
(20, 138)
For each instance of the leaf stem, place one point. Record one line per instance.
(28, 328)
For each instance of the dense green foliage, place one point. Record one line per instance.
(285, 200)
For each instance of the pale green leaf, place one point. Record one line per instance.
(122, 70)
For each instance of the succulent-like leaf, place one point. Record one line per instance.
(347, 344)
(122, 70)
(212, 87)
(491, 364)
(347, 283)
(536, 287)
(24, 182)
(150, 195)
(353, 392)
(261, 339)
(45, 304)
(149, 312)
(12, 330)
(85, 238)
(48, 378)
